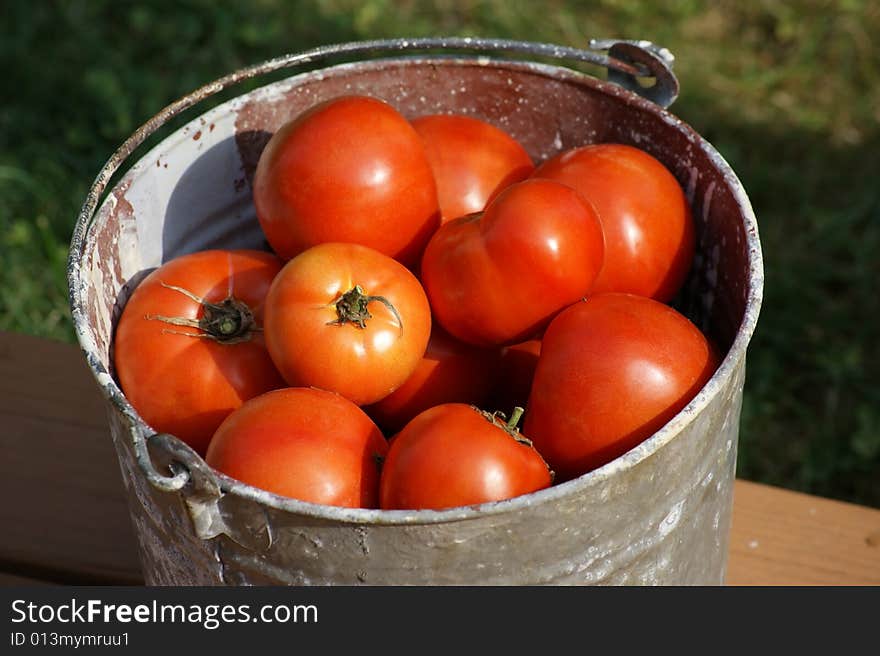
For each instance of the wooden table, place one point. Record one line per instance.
(63, 518)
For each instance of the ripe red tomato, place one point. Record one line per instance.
(303, 443)
(450, 371)
(472, 161)
(649, 233)
(351, 169)
(500, 276)
(455, 455)
(188, 349)
(346, 318)
(515, 374)
(613, 370)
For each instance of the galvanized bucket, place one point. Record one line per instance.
(657, 515)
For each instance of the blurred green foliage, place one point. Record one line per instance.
(789, 93)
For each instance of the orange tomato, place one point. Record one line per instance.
(302, 443)
(456, 455)
(472, 161)
(645, 216)
(189, 349)
(348, 319)
(351, 169)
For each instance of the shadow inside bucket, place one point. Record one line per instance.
(121, 300)
(250, 144)
(211, 205)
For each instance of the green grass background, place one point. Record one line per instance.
(789, 93)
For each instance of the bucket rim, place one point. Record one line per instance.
(360, 516)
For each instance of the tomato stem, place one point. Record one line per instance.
(230, 321)
(510, 428)
(351, 307)
(515, 416)
(507, 425)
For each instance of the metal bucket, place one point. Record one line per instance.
(659, 514)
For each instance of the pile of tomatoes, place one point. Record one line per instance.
(428, 289)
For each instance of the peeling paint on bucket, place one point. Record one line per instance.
(660, 514)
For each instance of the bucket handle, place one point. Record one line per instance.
(199, 489)
(629, 64)
(180, 473)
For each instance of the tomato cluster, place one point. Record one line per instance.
(428, 284)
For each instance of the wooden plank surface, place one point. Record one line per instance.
(781, 537)
(64, 518)
(12, 579)
(62, 506)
